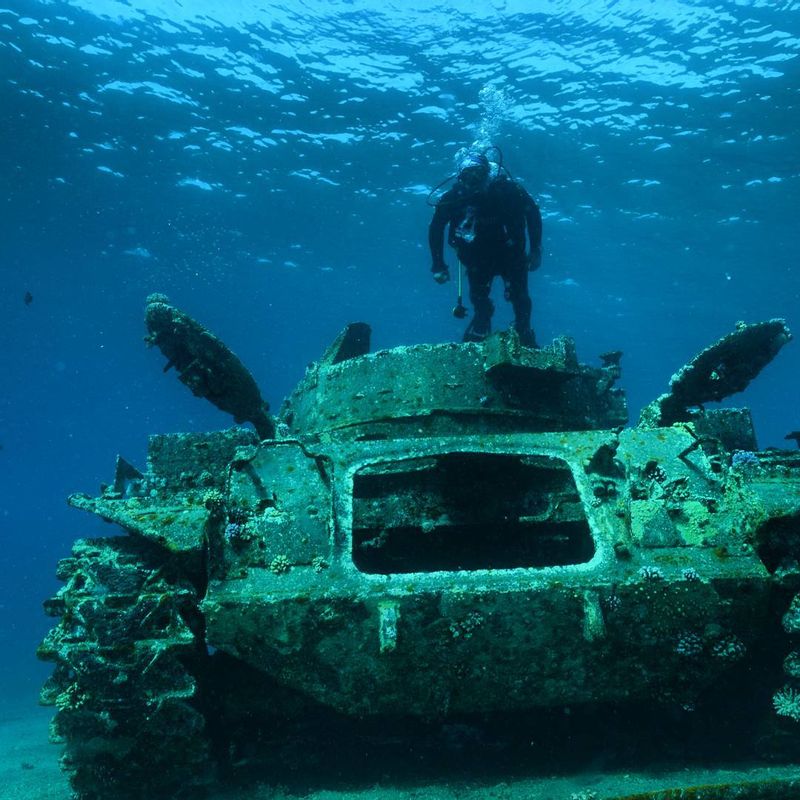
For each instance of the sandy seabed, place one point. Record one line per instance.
(29, 771)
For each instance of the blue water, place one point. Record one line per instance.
(266, 165)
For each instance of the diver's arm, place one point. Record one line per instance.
(436, 238)
(533, 220)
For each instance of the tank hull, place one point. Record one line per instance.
(433, 539)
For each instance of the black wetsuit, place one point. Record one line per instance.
(487, 230)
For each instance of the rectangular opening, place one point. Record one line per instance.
(468, 511)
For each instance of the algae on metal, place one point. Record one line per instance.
(429, 532)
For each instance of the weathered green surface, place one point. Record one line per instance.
(449, 389)
(653, 555)
(432, 531)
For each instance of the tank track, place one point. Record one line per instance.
(127, 652)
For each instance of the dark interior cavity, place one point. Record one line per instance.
(468, 511)
(778, 543)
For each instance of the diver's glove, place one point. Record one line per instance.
(441, 275)
(535, 259)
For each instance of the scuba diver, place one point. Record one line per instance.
(488, 212)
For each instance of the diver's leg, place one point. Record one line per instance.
(516, 282)
(480, 284)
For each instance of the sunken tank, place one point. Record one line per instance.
(421, 535)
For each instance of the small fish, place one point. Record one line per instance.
(28, 299)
